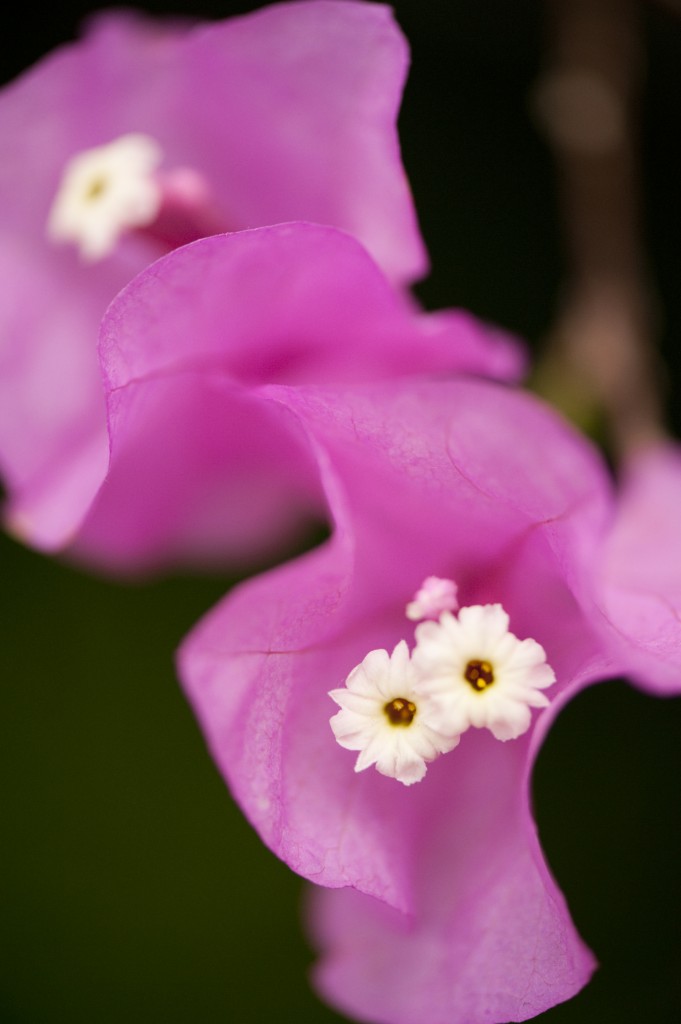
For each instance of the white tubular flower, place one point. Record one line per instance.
(384, 718)
(479, 673)
(435, 595)
(104, 192)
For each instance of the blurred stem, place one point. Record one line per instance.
(600, 365)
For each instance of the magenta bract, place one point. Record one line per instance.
(436, 479)
(451, 915)
(201, 467)
(640, 580)
(288, 113)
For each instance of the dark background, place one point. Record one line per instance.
(130, 887)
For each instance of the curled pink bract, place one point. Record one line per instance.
(438, 904)
(640, 581)
(287, 113)
(201, 467)
(438, 478)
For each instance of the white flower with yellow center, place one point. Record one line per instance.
(104, 192)
(434, 596)
(386, 720)
(479, 673)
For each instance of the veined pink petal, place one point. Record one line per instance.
(289, 112)
(200, 469)
(439, 905)
(286, 113)
(493, 942)
(259, 668)
(201, 463)
(641, 576)
(294, 303)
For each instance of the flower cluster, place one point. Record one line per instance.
(468, 670)
(151, 135)
(220, 231)
(430, 478)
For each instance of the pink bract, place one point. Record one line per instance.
(201, 467)
(450, 913)
(640, 580)
(288, 113)
(437, 479)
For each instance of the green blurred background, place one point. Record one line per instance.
(131, 888)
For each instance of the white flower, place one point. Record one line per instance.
(104, 192)
(435, 595)
(386, 720)
(479, 673)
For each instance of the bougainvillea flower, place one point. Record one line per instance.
(451, 915)
(146, 135)
(433, 597)
(200, 465)
(387, 719)
(437, 480)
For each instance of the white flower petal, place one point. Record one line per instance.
(387, 720)
(477, 673)
(104, 192)
(434, 596)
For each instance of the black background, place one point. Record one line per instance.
(131, 888)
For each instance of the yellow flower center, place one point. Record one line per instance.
(479, 675)
(96, 188)
(400, 711)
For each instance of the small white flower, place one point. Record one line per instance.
(479, 673)
(104, 192)
(435, 595)
(386, 720)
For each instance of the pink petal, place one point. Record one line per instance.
(306, 96)
(200, 469)
(287, 113)
(197, 464)
(259, 668)
(641, 579)
(501, 946)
